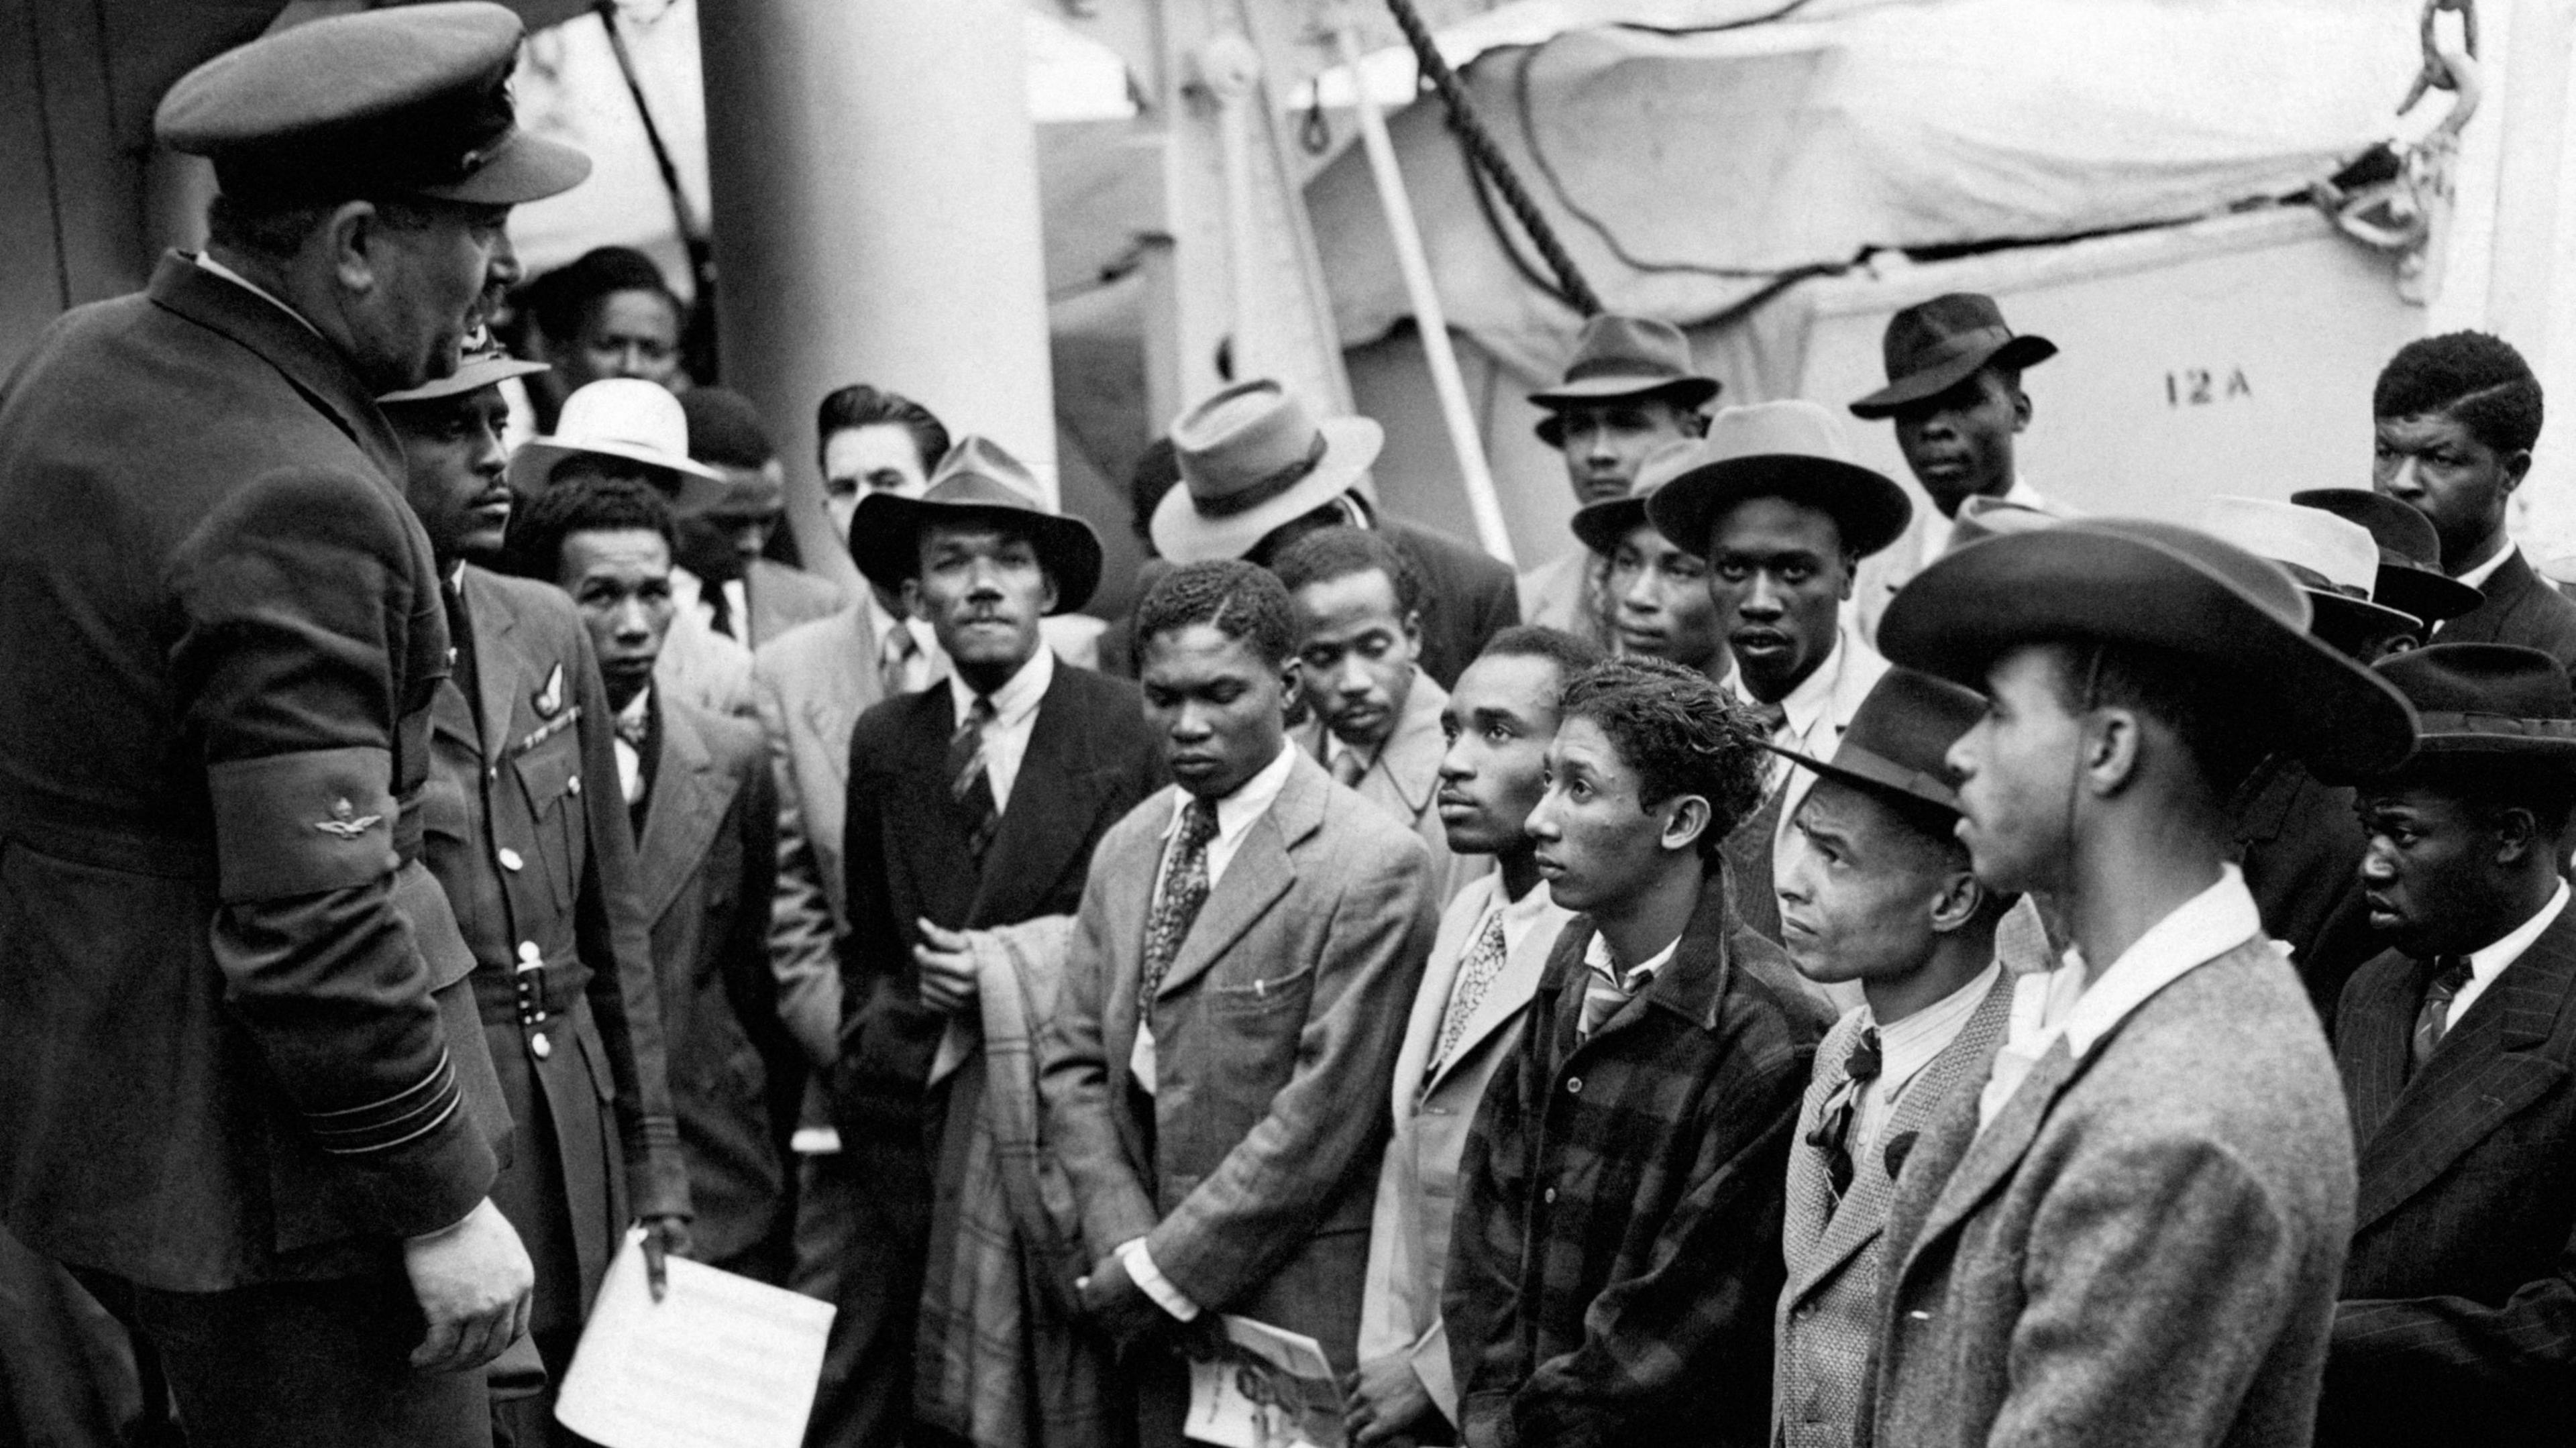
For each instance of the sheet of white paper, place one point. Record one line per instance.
(720, 1362)
(1275, 1389)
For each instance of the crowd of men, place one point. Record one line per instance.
(1840, 974)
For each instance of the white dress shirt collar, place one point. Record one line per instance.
(1813, 698)
(206, 262)
(630, 760)
(1015, 714)
(1938, 526)
(1236, 812)
(1908, 1046)
(2477, 577)
(2487, 962)
(1598, 960)
(917, 672)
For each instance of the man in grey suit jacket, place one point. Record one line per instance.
(1878, 891)
(1485, 966)
(2133, 1232)
(2458, 1319)
(1215, 1076)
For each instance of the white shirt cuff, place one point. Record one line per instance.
(1140, 1267)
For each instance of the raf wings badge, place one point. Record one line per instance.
(345, 821)
(550, 699)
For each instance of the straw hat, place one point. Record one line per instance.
(630, 420)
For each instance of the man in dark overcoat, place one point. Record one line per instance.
(247, 1099)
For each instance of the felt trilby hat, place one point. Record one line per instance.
(1791, 450)
(1619, 357)
(1934, 346)
(2130, 581)
(1602, 525)
(410, 100)
(480, 368)
(2410, 579)
(628, 419)
(2334, 559)
(1899, 738)
(1252, 457)
(978, 480)
(2498, 699)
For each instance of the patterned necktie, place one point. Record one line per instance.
(2450, 974)
(967, 783)
(1475, 977)
(894, 662)
(1177, 900)
(1774, 717)
(1832, 1135)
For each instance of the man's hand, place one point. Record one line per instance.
(664, 1238)
(472, 1280)
(947, 964)
(1112, 1300)
(1389, 1404)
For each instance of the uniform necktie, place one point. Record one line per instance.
(894, 662)
(1348, 768)
(1177, 899)
(967, 781)
(2450, 974)
(1475, 977)
(1832, 1135)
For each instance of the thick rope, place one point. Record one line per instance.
(1489, 158)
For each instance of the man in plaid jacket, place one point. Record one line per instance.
(1617, 1248)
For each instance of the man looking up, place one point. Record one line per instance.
(2455, 418)
(1485, 964)
(1774, 503)
(1617, 1248)
(247, 1099)
(1955, 396)
(973, 809)
(1373, 716)
(1655, 598)
(1878, 893)
(2136, 1234)
(1628, 390)
(2455, 1046)
(1216, 1076)
(546, 892)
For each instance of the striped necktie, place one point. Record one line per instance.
(1475, 977)
(2450, 975)
(967, 782)
(894, 662)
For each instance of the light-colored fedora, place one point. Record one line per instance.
(1791, 450)
(2334, 559)
(628, 419)
(1252, 457)
(978, 479)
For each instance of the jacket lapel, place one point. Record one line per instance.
(1507, 997)
(499, 666)
(1052, 801)
(1810, 1191)
(1411, 758)
(1259, 874)
(2373, 1038)
(2487, 1067)
(1998, 1148)
(687, 804)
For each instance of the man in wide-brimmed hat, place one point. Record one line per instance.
(2410, 577)
(1954, 394)
(2137, 1232)
(1259, 471)
(2455, 1047)
(972, 810)
(1783, 516)
(1654, 597)
(1628, 390)
(1877, 894)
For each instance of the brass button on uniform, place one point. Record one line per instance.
(541, 1046)
(572, 785)
(510, 859)
(1574, 1086)
(528, 952)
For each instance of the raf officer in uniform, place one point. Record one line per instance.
(247, 1101)
(526, 833)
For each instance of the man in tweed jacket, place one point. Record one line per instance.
(2133, 1232)
(1617, 1248)
(1877, 891)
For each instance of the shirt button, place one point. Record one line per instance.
(1548, 1196)
(1574, 1086)
(528, 952)
(539, 1046)
(572, 784)
(510, 859)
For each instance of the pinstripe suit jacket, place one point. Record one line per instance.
(1827, 1320)
(2458, 1322)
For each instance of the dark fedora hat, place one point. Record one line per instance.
(2487, 699)
(1933, 346)
(2154, 585)
(1791, 450)
(1900, 736)
(1619, 357)
(976, 481)
(2411, 579)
